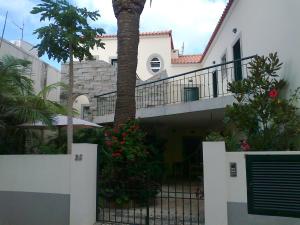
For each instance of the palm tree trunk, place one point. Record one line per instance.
(70, 103)
(128, 14)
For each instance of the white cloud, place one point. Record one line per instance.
(192, 21)
(18, 10)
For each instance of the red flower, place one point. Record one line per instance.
(245, 146)
(106, 133)
(108, 143)
(116, 130)
(123, 142)
(273, 93)
(124, 134)
(114, 138)
(116, 154)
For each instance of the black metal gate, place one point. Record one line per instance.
(176, 198)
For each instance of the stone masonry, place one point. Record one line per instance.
(90, 78)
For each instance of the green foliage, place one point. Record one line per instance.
(90, 135)
(214, 136)
(19, 104)
(58, 143)
(51, 149)
(131, 164)
(67, 35)
(68, 27)
(260, 114)
(231, 141)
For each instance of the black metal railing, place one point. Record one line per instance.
(205, 83)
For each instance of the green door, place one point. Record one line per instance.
(237, 55)
(215, 84)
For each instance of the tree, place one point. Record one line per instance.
(68, 35)
(128, 14)
(19, 104)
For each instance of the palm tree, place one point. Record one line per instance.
(19, 103)
(128, 14)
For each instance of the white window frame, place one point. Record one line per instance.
(154, 68)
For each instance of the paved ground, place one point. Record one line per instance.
(174, 206)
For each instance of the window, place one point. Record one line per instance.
(223, 66)
(85, 112)
(191, 94)
(114, 62)
(155, 64)
(215, 83)
(237, 55)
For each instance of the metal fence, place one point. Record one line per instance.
(177, 199)
(205, 83)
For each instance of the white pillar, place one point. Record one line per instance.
(215, 186)
(83, 184)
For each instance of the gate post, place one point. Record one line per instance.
(83, 169)
(215, 186)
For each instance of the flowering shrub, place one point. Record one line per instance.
(261, 116)
(131, 164)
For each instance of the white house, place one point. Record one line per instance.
(156, 55)
(246, 28)
(249, 27)
(157, 59)
(184, 108)
(41, 72)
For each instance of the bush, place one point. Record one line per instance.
(131, 165)
(261, 116)
(231, 141)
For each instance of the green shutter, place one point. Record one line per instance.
(215, 84)
(273, 185)
(191, 94)
(237, 64)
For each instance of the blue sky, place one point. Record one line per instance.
(192, 21)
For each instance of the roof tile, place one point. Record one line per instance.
(187, 59)
(154, 33)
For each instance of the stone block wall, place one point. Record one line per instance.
(90, 78)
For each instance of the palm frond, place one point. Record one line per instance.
(46, 90)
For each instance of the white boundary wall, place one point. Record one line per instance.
(215, 190)
(225, 196)
(54, 182)
(83, 185)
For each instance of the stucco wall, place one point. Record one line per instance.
(148, 46)
(229, 194)
(215, 190)
(49, 189)
(237, 193)
(263, 27)
(41, 73)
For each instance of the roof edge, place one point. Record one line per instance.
(217, 28)
(142, 34)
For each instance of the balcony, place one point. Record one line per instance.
(199, 90)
